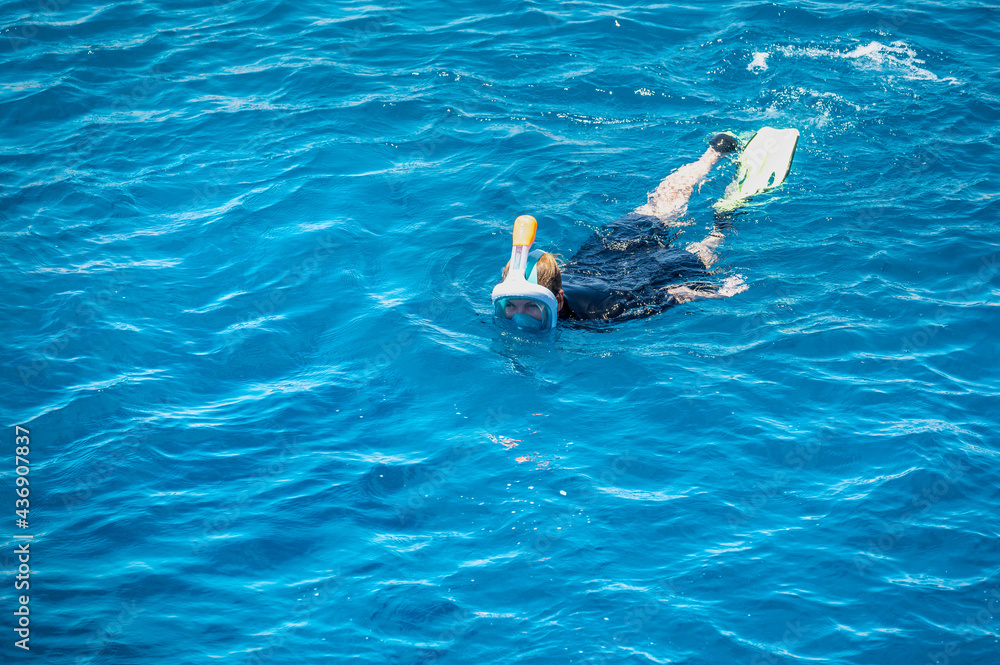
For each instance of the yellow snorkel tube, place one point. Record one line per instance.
(519, 302)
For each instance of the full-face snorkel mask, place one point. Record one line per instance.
(519, 303)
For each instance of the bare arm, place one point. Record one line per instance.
(730, 287)
(685, 294)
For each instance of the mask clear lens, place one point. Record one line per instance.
(523, 313)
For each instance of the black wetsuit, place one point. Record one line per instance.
(621, 272)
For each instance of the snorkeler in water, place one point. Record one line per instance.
(627, 269)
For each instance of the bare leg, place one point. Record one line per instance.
(705, 250)
(668, 201)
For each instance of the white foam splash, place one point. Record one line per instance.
(894, 57)
(759, 62)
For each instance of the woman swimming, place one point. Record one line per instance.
(626, 270)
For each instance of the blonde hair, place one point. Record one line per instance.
(548, 272)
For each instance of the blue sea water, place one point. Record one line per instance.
(247, 251)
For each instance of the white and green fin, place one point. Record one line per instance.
(764, 163)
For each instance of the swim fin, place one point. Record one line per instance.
(764, 163)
